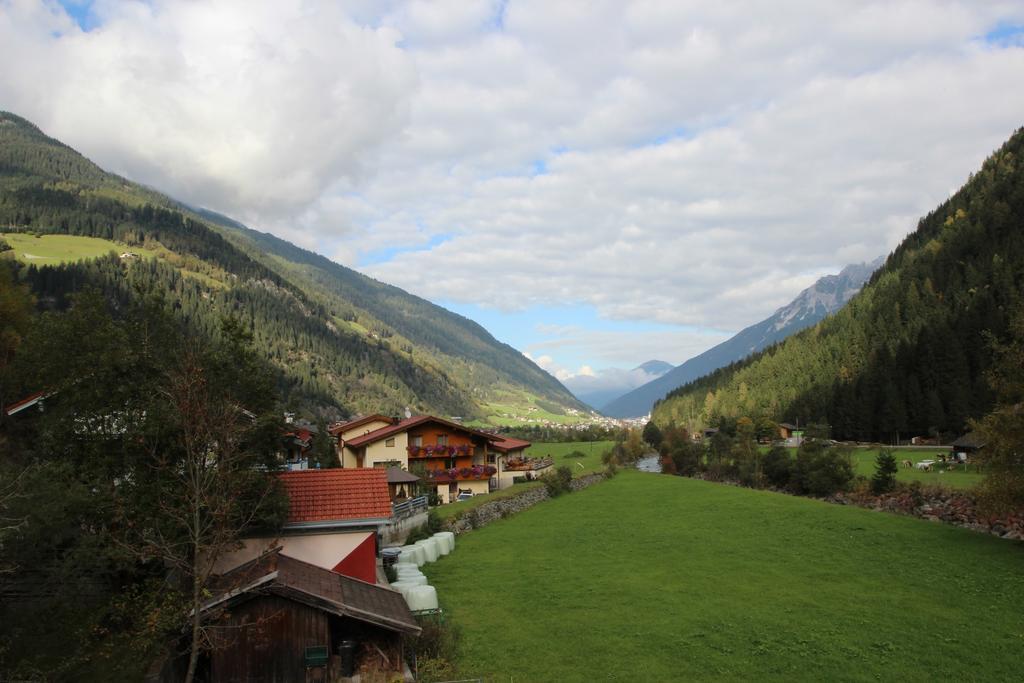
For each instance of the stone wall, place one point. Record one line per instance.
(959, 508)
(503, 507)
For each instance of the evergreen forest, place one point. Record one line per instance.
(908, 356)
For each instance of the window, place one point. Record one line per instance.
(490, 458)
(442, 439)
(389, 443)
(416, 441)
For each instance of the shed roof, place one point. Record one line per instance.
(407, 424)
(509, 444)
(342, 496)
(396, 475)
(26, 402)
(316, 587)
(970, 440)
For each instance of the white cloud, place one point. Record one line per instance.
(691, 163)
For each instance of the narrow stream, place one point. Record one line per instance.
(649, 463)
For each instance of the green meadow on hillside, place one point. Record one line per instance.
(54, 249)
(656, 578)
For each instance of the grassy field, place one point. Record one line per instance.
(655, 578)
(54, 249)
(864, 463)
(559, 452)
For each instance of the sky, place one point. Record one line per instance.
(597, 183)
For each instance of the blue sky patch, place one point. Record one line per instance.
(1005, 35)
(81, 12)
(384, 255)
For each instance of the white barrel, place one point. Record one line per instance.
(442, 543)
(421, 598)
(449, 539)
(416, 554)
(408, 564)
(429, 546)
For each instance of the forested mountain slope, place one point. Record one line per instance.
(338, 340)
(825, 296)
(907, 355)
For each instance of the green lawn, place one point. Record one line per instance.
(54, 249)
(655, 578)
(589, 463)
(864, 463)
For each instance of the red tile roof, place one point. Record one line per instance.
(26, 402)
(339, 427)
(507, 444)
(336, 495)
(409, 423)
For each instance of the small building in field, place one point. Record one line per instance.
(335, 517)
(968, 444)
(787, 430)
(284, 620)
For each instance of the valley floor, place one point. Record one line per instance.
(654, 578)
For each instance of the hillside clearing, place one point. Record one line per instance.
(650, 577)
(51, 250)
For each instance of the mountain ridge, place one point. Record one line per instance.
(340, 341)
(911, 353)
(825, 296)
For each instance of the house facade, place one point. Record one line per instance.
(361, 426)
(448, 457)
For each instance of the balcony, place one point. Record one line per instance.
(435, 451)
(476, 473)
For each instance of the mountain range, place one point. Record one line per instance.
(339, 342)
(825, 296)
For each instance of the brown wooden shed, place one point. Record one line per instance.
(270, 616)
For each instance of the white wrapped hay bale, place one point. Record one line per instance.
(445, 541)
(415, 553)
(421, 598)
(429, 546)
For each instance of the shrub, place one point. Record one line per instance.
(686, 456)
(436, 649)
(425, 530)
(558, 481)
(575, 455)
(821, 470)
(778, 467)
(885, 473)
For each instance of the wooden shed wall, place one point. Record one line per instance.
(271, 647)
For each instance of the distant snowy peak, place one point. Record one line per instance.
(825, 296)
(600, 386)
(655, 367)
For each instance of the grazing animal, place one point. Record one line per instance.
(908, 464)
